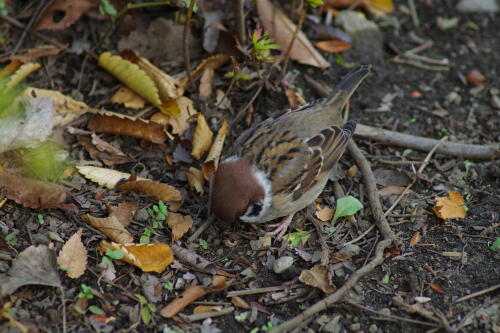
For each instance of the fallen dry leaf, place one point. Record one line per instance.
(333, 46)
(32, 193)
(34, 266)
(379, 7)
(20, 74)
(282, 29)
(34, 53)
(212, 161)
(193, 259)
(451, 207)
(240, 302)
(415, 239)
(73, 256)
(205, 89)
(294, 96)
(108, 178)
(148, 257)
(161, 191)
(475, 78)
(124, 125)
(127, 97)
(325, 214)
(169, 88)
(124, 212)
(66, 107)
(111, 227)
(202, 137)
(207, 308)
(352, 171)
(188, 296)
(180, 224)
(63, 13)
(318, 277)
(184, 107)
(391, 190)
(195, 179)
(107, 158)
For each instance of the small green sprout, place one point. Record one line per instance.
(262, 46)
(86, 292)
(109, 255)
(107, 8)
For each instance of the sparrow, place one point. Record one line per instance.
(282, 164)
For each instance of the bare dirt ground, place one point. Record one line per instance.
(415, 289)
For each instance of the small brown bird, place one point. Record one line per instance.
(282, 164)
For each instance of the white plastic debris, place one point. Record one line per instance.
(26, 129)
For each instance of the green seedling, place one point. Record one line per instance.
(262, 46)
(147, 309)
(86, 292)
(158, 213)
(107, 8)
(41, 219)
(296, 238)
(346, 206)
(11, 238)
(203, 244)
(109, 255)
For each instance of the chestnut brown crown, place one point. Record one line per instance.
(234, 189)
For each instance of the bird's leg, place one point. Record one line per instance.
(281, 227)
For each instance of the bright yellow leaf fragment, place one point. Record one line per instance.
(451, 207)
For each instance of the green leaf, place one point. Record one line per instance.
(203, 244)
(41, 219)
(96, 310)
(151, 307)
(145, 315)
(114, 254)
(386, 279)
(347, 206)
(496, 245)
(169, 286)
(144, 239)
(107, 8)
(79, 310)
(406, 152)
(141, 299)
(106, 260)
(314, 3)
(294, 239)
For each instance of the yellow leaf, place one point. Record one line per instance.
(324, 213)
(21, 73)
(73, 256)
(180, 224)
(182, 106)
(207, 308)
(202, 137)
(379, 7)
(128, 98)
(132, 76)
(451, 207)
(148, 257)
(212, 161)
(195, 179)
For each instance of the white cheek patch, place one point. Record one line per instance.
(266, 203)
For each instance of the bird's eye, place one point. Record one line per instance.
(253, 209)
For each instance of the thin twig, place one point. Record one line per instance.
(201, 229)
(325, 250)
(420, 65)
(478, 293)
(185, 44)
(483, 152)
(239, 21)
(372, 193)
(302, 16)
(413, 321)
(254, 291)
(63, 302)
(408, 187)
(12, 21)
(241, 113)
(414, 15)
(339, 294)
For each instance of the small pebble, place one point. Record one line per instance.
(373, 328)
(350, 250)
(263, 243)
(282, 264)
